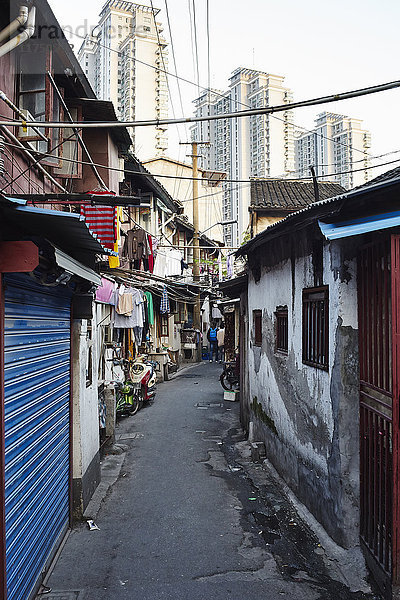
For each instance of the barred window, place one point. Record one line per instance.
(281, 316)
(257, 322)
(316, 327)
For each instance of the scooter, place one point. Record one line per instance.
(125, 398)
(143, 379)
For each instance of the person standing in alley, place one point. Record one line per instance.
(212, 340)
(221, 343)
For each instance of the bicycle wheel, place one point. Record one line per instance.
(227, 383)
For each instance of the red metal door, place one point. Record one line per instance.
(395, 277)
(376, 407)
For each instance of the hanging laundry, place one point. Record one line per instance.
(160, 265)
(183, 266)
(105, 292)
(136, 319)
(164, 307)
(220, 267)
(150, 309)
(101, 220)
(125, 304)
(136, 247)
(113, 261)
(229, 266)
(151, 255)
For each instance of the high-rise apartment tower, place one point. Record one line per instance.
(125, 59)
(244, 147)
(337, 148)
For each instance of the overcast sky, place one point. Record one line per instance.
(320, 47)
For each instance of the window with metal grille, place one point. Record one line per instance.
(257, 322)
(281, 315)
(316, 327)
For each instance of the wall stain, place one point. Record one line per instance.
(262, 415)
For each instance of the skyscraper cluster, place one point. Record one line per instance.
(125, 59)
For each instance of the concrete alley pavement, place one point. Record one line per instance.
(185, 521)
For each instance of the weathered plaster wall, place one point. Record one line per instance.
(308, 417)
(86, 458)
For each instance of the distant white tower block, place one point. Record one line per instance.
(125, 63)
(259, 146)
(337, 148)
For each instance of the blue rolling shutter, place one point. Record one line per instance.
(37, 389)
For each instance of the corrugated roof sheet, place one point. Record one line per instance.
(289, 194)
(65, 230)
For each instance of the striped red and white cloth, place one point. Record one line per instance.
(103, 221)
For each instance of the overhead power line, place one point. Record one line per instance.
(208, 89)
(183, 177)
(233, 115)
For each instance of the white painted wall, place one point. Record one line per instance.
(298, 397)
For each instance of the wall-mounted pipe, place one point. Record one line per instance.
(14, 25)
(22, 37)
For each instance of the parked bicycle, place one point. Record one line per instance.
(230, 376)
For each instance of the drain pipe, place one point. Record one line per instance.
(20, 114)
(14, 25)
(32, 158)
(22, 37)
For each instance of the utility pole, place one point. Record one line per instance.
(196, 245)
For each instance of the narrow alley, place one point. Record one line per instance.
(189, 515)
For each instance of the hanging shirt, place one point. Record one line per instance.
(164, 308)
(150, 308)
(125, 304)
(229, 266)
(105, 292)
(136, 245)
(136, 319)
(101, 220)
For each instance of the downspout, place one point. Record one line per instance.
(14, 25)
(29, 155)
(22, 37)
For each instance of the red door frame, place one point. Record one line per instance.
(395, 275)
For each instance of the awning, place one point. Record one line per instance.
(75, 268)
(62, 229)
(334, 231)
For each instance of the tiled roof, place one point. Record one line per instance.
(289, 194)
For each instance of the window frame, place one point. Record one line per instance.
(163, 326)
(51, 103)
(282, 330)
(257, 327)
(315, 344)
